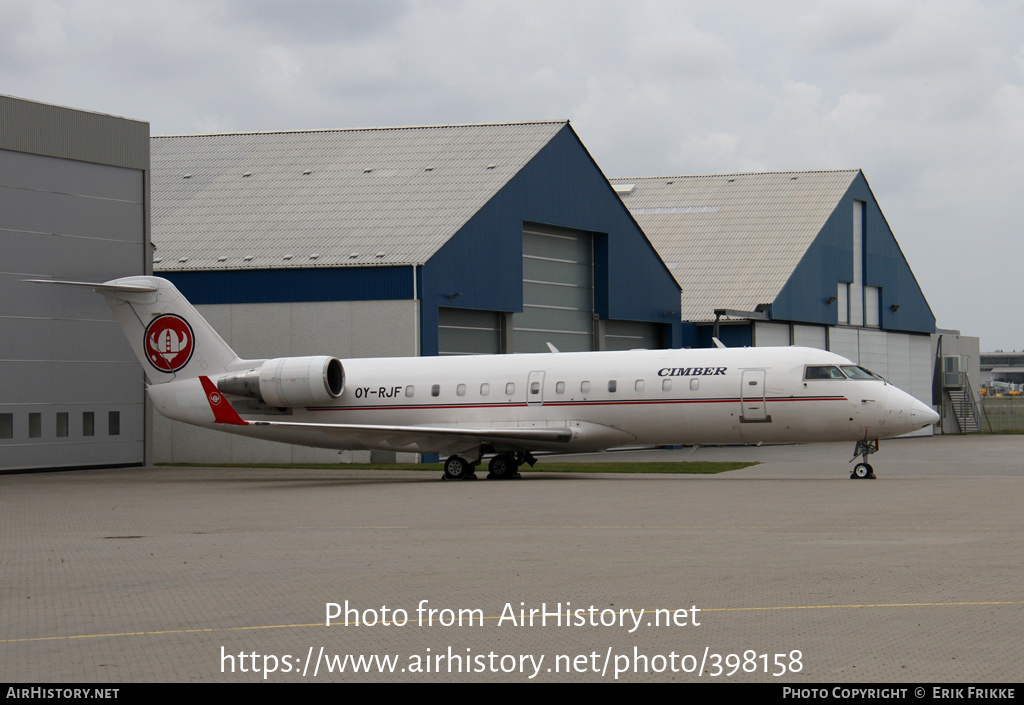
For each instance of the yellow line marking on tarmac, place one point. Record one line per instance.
(333, 528)
(429, 622)
(715, 527)
(832, 529)
(165, 631)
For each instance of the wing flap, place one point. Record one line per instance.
(395, 434)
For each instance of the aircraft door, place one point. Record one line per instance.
(753, 408)
(535, 388)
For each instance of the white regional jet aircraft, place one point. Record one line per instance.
(505, 406)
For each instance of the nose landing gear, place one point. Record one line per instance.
(863, 470)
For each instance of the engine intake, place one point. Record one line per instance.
(289, 381)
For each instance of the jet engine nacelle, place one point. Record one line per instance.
(289, 381)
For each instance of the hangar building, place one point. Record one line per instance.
(790, 258)
(73, 205)
(400, 242)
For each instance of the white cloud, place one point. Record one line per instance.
(927, 96)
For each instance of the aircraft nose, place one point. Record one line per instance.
(922, 415)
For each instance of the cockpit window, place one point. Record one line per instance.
(823, 372)
(858, 372)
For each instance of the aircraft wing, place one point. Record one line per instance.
(415, 438)
(444, 440)
(372, 435)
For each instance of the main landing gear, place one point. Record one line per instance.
(504, 466)
(862, 470)
(458, 468)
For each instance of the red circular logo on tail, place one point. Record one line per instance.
(169, 342)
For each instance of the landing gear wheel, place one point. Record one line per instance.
(503, 467)
(456, 468)
(862, 471)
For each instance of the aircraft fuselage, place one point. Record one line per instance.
(607, 399)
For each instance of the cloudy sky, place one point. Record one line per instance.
(926, 96)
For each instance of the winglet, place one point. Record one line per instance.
(222, 410)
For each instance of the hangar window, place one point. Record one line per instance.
(612, 384)
(410, 390)
(559, 387)
(62, 424)
(485, 389)
(585, 387)
(823, 372)
(435, 390)
(666, 385)
(6, 425)
(88, 423)
(35, 425)
(113, 423)
(639, 386)
(461, 390)
(510, 388)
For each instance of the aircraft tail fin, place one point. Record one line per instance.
(169, 337)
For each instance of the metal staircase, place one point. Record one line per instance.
(961, 401)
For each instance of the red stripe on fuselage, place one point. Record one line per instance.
(596, 402)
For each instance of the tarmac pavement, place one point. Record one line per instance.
(786, 572)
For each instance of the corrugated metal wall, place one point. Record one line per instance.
(895, 297)
(73, 205)
(249, 286)
(54, 131)
(561, 187)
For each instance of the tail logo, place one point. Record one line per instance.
(169, 342)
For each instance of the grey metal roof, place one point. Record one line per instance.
(733, 240)
(382, 196)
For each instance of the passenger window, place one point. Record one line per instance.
(585, 387)
(410, 390)
(510, 388)
(485, 389)
(612, 384)
(435, 390)
(666, 385)
(534, 387)
(559, 387)
(639, 386)
(461, 390)
(694, 384)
